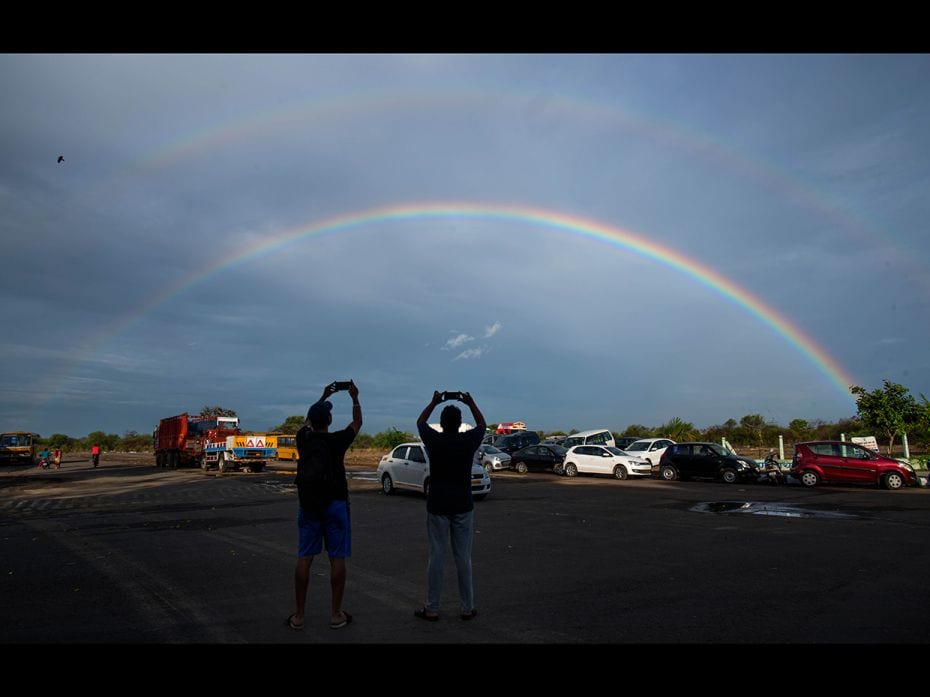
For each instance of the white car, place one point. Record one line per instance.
(407, 467)
(649, 449)
(492, 458)
(601, 459)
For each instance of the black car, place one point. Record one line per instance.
(706, 460)
(544, 456)
(512, 442)
(624, 441)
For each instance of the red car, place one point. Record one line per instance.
(839, 462)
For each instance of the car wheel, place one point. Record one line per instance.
(488, 468)
(571, 470)
(668, 473)
(893, 480)
(620, 472)
(221, 464)
(729, 476)
(387, 484)
(204, 465)
(521, 467)
(809, 478)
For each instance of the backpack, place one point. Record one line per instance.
(314, 471)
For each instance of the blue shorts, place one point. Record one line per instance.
(334, 527)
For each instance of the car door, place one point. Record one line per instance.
(858, 464)
(417, 467)
(704, 462)
(830, 457)
(597, 460)
(547, 458)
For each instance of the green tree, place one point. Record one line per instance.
(753, 426)
(58, 440)
(888, 410)
(637, 431)
(390, 438)
(217, 411)
(290, 426)
(799, 429)
(676, 429)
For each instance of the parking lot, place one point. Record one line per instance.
(133, 553)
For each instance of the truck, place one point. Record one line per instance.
(18, 447)
(208, 441)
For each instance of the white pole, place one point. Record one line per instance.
(842, 436)
(907, 453)
(781, 447)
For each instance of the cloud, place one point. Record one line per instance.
(457, 341)
(470, 353)
(492, 330)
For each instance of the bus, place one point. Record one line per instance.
(18, 447)
(287, 447)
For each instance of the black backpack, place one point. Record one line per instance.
(314, 471)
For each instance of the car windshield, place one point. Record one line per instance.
(615, 451)
(638, 445)
(557, 449)
(718, 450)
(490, 449)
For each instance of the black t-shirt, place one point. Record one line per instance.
(337, 443)
(451, 456)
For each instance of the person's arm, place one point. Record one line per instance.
(475, 412)
(424, 415)
(356, 424)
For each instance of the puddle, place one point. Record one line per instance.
(765, 508)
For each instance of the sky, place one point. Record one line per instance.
(579, 240)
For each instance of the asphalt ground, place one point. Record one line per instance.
(129, 553)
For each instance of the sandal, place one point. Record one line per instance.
(424, 614)
(292, 624)
(339, 625)
(470, 615)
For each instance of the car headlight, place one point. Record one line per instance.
(907, 466)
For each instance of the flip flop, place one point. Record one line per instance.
(470, 615)
(339, 625)
(424, 615)
(292, 624)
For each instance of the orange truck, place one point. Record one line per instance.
(210, 441)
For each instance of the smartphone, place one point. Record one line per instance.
(453, 395)
(340, 385)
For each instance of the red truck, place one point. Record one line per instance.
(180, 440)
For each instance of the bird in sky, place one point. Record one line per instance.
(61, 158)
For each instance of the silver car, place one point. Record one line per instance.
(492, 458)
(407, 467)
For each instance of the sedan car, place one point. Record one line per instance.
(544, 457)
(491, 458)
(650, 449)
(847, 463)
(708, 461)
(601, 459)
(407, 467)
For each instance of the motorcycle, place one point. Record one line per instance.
(771, 472)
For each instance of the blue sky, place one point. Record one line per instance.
(166, 263)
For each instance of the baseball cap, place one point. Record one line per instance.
(319, 411)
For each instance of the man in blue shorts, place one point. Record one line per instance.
(323, 515)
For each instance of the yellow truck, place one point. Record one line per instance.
(18, 447)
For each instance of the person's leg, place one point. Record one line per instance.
(338, 536)
(438, 532)
(463, 528)
(310, 543)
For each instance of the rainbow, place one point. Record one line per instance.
(571, 224)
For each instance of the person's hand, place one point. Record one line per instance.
(437, 397)
(467, 400)
(353, 391)
(329, 390)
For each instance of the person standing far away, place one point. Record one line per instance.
(95, 454)
(57, 458)
(323, 494)
(449, 504)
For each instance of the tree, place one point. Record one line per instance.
(217, 411)
(754, 426)
(637, 431)
(391, 438)
(800, 429)
(676, 430)
(290, 426)
(888, 410)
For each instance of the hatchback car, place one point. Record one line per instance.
(544, 457)
(600, 459)
(650, 449)
(492, 458)
(840, 462)
(407, 467)
(706, 461)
